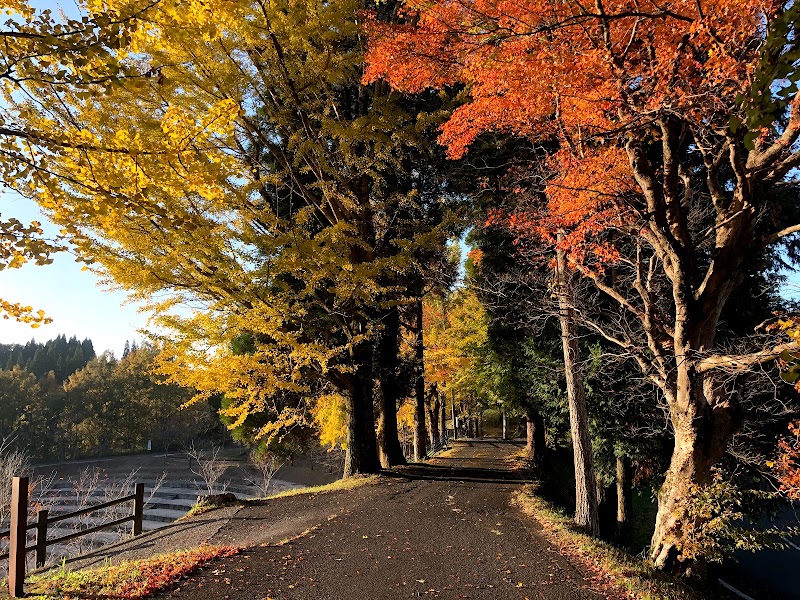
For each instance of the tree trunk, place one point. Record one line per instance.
(624, 499)
(535, 436)
(362, 446)
(586, 515)
(685, 469)
(604, 516)
(434, 418)
(455, 419)
(505, 423)
(530, 432)
(389, 450)
(429, 419)
(702, 429)
(419, 385)
(443, 416)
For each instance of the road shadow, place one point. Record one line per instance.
(473, 460)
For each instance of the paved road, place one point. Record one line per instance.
(443, 530)
(770, 574)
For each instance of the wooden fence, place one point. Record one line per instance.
(18, 532)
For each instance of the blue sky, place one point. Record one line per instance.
(73, 298)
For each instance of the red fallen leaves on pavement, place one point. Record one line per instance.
(131, 580)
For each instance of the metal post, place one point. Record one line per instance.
(138, 509)
(19, 526)
(41, 538)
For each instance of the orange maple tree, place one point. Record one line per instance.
(666, 130)
(787, 464)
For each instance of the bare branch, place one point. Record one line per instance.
(772, 238)
(743, 362)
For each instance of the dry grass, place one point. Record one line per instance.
(612, 567)
(520, 462)
(203, 506)
(349, 483)
(128, 580)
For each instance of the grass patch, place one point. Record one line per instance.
(128, 580)
(206, 504)
(613, 567)
(198, 508)
(521, 463)
(348, 483)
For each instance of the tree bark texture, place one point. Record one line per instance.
(443, 416)
(703, 425)
(420, 433)
(362, 447)
(535, 441)
(586, 515)
(455, 419)
(624, 499)
(389, 450)
(433, 412)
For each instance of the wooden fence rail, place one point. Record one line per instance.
(18, 533)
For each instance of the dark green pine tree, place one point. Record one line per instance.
(38, 363)
(88, 350)
(61, 368)
(27, 353)
(12, 357)
(76, 360)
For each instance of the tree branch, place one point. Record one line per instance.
(771, 239)
(743, 362)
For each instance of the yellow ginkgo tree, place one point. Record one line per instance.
(246, 187)
(38, 52)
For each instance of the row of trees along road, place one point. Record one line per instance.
(252, 161)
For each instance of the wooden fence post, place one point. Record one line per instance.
(138, 509)
(41, 538)
(17, 539)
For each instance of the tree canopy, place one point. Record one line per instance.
(659, 160)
